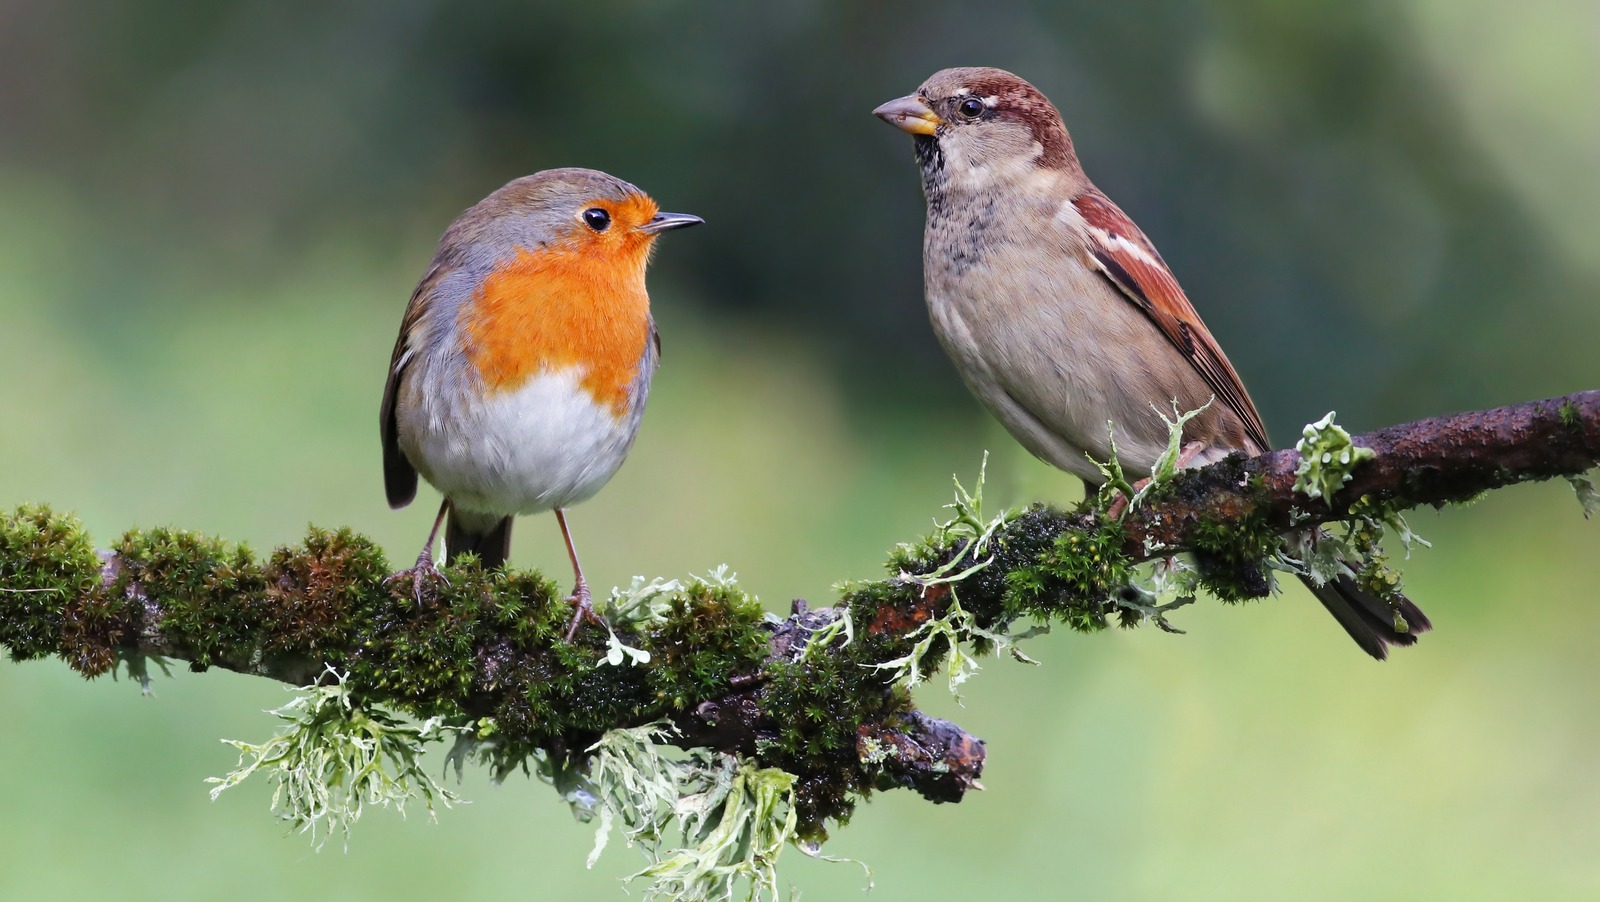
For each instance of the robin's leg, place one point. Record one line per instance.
(425, 559)
(1186, 456)
(424, 570)
(580, 591)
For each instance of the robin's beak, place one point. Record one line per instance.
(666, 222)
(910, 114)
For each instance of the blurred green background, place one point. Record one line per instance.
(212, 213)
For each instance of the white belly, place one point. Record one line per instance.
(544, 445)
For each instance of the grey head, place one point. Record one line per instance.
(555, 206)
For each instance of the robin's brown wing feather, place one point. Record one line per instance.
(399, 476)
(1130, 262)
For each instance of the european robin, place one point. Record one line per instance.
(524, 360)
(1062, 317)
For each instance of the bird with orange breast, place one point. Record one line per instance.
(524, 360)
(1061, 316)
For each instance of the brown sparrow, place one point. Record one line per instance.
(1060, 314)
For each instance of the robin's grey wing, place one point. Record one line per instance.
(399, 476)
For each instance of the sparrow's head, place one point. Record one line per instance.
(977, 125)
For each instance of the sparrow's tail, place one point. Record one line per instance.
(485, 535)
(1369, 619)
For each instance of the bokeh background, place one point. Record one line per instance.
(212, 213)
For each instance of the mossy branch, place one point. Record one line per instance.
(1430, 462)
(822, 695)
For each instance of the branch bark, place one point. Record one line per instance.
(490, 644)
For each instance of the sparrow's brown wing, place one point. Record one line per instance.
(399, 476)
(1130, 262)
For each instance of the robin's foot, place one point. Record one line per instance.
(580, 599)
(423, 576)
(1186, 456)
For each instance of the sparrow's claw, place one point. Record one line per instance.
(1119, 504)
(1186, 456)
(581, 599)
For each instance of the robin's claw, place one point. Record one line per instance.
(581, 600)
(424, 578)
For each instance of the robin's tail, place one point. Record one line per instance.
(1369, 619)
(485, 535)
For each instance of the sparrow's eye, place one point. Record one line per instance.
(971, 108)
(596, 218)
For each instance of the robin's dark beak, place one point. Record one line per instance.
(910, 114)
(666, 222)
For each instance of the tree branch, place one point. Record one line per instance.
(819, 694)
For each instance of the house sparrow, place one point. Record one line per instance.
(1060, 314)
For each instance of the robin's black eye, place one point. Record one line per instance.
(971, 108)
(596, 218)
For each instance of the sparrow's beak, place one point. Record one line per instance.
(666, 222)
(909, 114)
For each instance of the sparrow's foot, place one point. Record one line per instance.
(581, 599)
(1186, 456)
(425, 577)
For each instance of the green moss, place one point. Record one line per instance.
(1570, 418)
(816, 708)
(465, 644)
(200, 592)
(46, 560)
(1230, 557)
(988, 594)
(1073, 579)
(707, 634)
(315, 595)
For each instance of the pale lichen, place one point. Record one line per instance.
(735, 819)
(335, 757)
(1588, 495)
(1327, 457)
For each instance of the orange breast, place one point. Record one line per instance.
(565, 306)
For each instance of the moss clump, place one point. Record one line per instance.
(1230, 557)
(46, 560)
(315, 595)
(707, 633)
(987, 594)
(419, 653)
(1072, 579)
(203, 594)
(816, 707)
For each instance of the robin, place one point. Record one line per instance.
(1060, 314)
(524, 359)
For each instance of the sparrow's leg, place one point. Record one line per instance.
(1186, 456)
(580, 590)
(425, 570)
